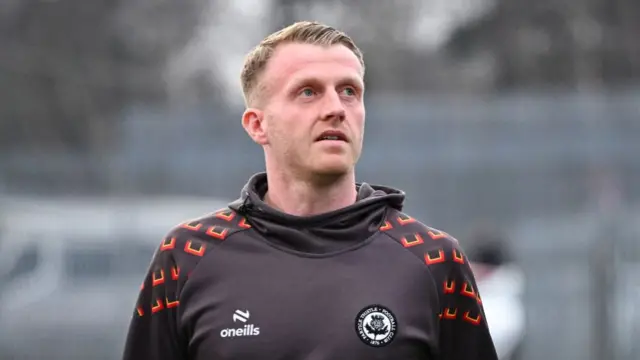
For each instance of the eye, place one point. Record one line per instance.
(349, 91)
(307, 92)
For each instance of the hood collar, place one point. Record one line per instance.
(319, 234)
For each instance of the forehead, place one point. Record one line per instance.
(295, 61)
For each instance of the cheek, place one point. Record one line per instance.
(290, 125)
(283, 132)
(358, 117)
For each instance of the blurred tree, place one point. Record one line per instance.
(67, 67)
(582, 44)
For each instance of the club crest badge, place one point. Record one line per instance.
(376, 325)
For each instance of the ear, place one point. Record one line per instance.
(254, 124)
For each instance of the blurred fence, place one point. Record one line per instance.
(504, 157)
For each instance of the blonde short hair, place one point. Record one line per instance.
(306, 32)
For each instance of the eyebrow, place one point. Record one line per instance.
(315, 81)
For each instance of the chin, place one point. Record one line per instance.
(334, 167)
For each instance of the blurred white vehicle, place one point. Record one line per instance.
(71, 269)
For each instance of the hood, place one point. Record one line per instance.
(321, 234)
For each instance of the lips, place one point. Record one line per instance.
(334, 135)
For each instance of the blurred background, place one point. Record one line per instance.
(513, 125)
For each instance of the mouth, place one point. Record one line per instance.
(332, 135)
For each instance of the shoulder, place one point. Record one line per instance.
(179, 253)
(431, 245)
(188, 242)
(441, 254)
(216, 226)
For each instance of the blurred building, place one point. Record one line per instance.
(523, 114)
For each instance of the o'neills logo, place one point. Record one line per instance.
(247, 330)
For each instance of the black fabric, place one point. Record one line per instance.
(367, 282)
(320, 234)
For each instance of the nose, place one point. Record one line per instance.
(333, 108)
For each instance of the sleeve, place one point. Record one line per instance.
(464, 332)
(153, 329)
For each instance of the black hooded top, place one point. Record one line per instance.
(364, 282)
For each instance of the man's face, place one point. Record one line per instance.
(313, 113)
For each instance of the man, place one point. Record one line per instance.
(307, 264)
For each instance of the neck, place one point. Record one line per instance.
(303, 197)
